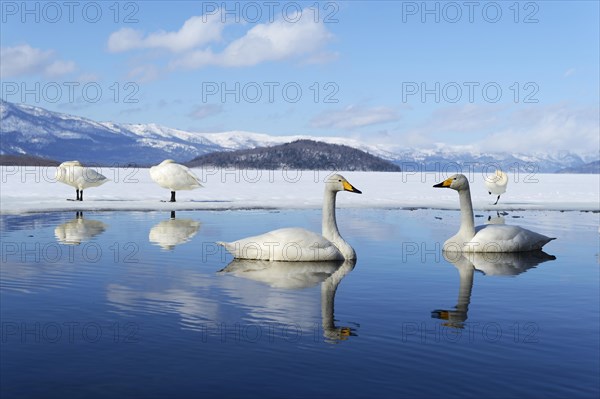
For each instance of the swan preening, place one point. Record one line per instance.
(76, 175)
(297, 244)
(496, 184)
(487, 238)
(174, 177)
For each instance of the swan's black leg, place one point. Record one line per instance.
(172, 196)
(81, 195)
(497, 200)
(77, 194)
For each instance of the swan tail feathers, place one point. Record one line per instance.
(230, 247)
(224, 244)
(544, 241)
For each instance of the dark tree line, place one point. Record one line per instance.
(300, 154)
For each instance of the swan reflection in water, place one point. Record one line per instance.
(169, 233)
(300, 275)
(78, 230)
(491, 264)
(498, 219)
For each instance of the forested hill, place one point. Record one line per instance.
(300, 154)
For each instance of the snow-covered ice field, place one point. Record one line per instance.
(34, 189)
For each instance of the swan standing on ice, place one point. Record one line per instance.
(297, 244)
(175, 177)
(76, 175)
(487, 238)
(496, 184)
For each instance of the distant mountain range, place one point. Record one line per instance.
(34, 131)
(298, 155)
(590, 168)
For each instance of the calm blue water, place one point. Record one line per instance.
(120, 304)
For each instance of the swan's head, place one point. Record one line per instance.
(456, 182)
(339, 183)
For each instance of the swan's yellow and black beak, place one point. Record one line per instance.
(445, 183)
(350, 187)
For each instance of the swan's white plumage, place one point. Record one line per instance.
(497, 183)
(504, 238)
(487, 238)
(76, 175)
(300, 245)
(291, 244)
(173, 176)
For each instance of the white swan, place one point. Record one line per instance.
(175, 177)
(297, 244)
(496, 184)
(487, 238)
(76, 175)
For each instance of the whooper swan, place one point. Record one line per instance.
(173, 176)
(496, 184)
(486, 238)
(297, 244)
(76, 175)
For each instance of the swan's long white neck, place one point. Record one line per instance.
(329, 227)
(467, 222)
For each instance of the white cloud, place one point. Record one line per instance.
(195, 32)
(88, 77)
(191, 45)
(24, 60)
(275, 41)
(510, 128)
(553, 128)
(58, 68)
(144, 73)
(353, 117)
(569, 72)
(464, 118)
(204, 111)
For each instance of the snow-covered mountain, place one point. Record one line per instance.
(36, 131)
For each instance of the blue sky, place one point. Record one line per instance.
(517, 76)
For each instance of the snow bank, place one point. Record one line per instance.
(34, 189)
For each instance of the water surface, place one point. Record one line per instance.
(142, 304)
